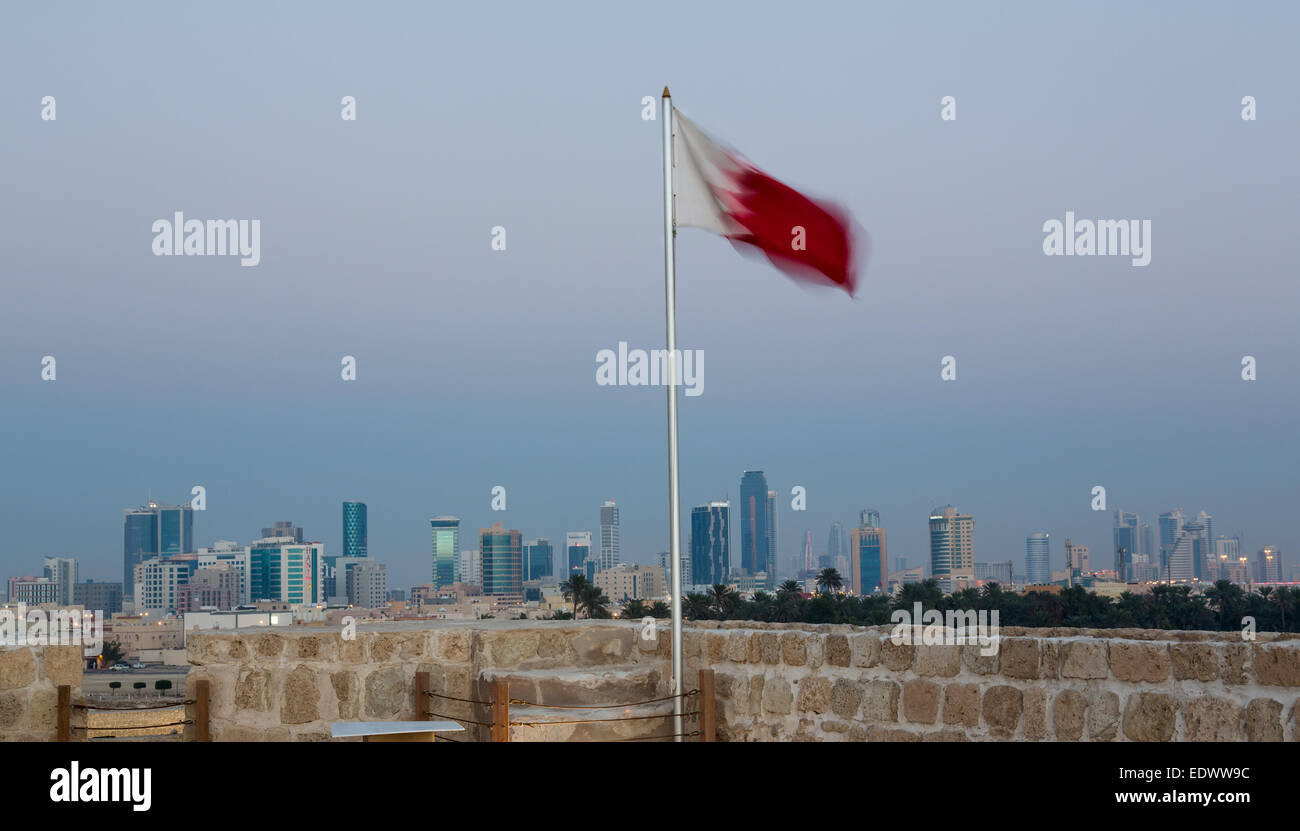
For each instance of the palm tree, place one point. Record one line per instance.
(722, 599)
(789, 587)
(696, 606)
(594, 602)
(635, 608)
(573, 588)
(660, 610)
(830, 580)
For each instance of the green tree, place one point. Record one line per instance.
(829, 581)
(695, 606)
(722, 599)
(115, 685)
(111, 654)
(139, 685)
(162, 685)
(573, 588)
(593, 602)
(635, 608)
(660, 610)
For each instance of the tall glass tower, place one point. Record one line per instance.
(354, 529)
(710, 543)
(151, 530)
(610, 544)
(952, 542)
(538, 558)
(754, 528)
(1038, 559)
(446, 549)
(503, 562)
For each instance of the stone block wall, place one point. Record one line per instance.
(29, 680)
(844, 683)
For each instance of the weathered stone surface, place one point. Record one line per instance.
(1194, 661)
(756, 684)
(880, 701)
(979, 663)
(1150, 717)
(1103, 715)
(1211, 719)
(301, 700)
(1067, 715)
(897, 656)
(12, 707)
(949, 735)
(1051, 663)
(738, 647)
(876, 733)
(553, 643)
(1139, 662)
(1234, 663)
(814, 694)
(510, 649)
(1035, 701)
(794, 648)
(961, 704)
(1021, 658)
(846, 697)
(604, 646)
(253, 690)
(715, 647)
(921, 701)
(1085, 659)
(346, 688)
(1002, 707)
(269, 645)
(1263, 719)
(1278, 664)
(454, 645)
(866, 650)
(838, 653)
(385, 693)
(770, 645)
(17, 668)
(63, 664)
(237, 649)
(938, 660)
(777, 696)
(316, 647)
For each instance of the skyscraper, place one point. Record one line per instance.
(754, 529)
(1076, 557)
(1226, 552)
(610, 548)
(281, 569)
(1171, 525)
(503, 563)
(577, 547)
(446, 551)
(772, 537)
(870, 518)
(285, 528)
(1270, 564)
(151, 530)
(952, 543)
(710, 543)
(538, 559)
(835, 546)
(1127, 543)
(1038, 559)
(809, 559)
(868, 558)
(354, 529)
(63, 571)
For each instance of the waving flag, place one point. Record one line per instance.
(720, 191)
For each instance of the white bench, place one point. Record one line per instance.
(393, 731)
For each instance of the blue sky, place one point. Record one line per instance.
(477, 368)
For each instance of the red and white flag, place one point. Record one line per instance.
(721, 191)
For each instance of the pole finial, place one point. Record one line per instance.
(667, 94)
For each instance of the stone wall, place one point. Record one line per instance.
(29, 681)
(287, 684)
(804, 682)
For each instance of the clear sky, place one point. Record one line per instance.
(477, 367)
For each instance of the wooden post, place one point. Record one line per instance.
(708, 714)
(202, 702)
(500, 711)
(423, 700)
(65, 714)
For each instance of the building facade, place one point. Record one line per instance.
(710, 544)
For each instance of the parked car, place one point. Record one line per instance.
(137, 665)
(119, 667)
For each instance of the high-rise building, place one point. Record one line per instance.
(154, 529)
(355, 529)
(870, 518)
(1269, 563)
(97, 595)
(1226, 552)
(772, 540)
(710, 543)
(1076, 557)
(538, 559)
(503, 562)
(369, 584)
(610, 547)
(1171, 525)
(63, 571)
(281, 569)
(836, 546)
(470, 564)
(157, 583)
(32, 590)
(1038, 559)
(284, 529)
(577, 548)
(1127, 543)
(1002, 573)
(446, 548)
(754, 528)
(664, 560)
(632, 582)
(868, 559)
(952, 543)
(809, 558)
(208, 588)
(232, 555)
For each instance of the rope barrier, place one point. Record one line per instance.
(597, 720)
(136, 727)
(454, 698)
(129, 709)
(457, 718)
(523, 703)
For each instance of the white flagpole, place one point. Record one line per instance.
(674, 520)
